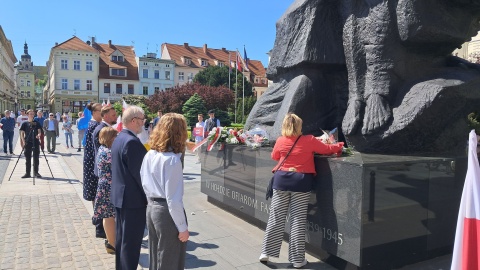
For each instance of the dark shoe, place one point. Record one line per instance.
(27, 175)
(11, 153)
(37, 175)
(110, 249)
(79, 150)
(100, 234)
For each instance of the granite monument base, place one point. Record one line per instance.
(367, 211)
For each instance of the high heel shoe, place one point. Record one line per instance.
(110, 249)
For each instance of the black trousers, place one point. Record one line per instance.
(130, 225)
(29, 149)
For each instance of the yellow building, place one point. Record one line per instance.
(25, 81)
(7, 73)
(72, 76)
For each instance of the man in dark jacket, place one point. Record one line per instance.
(127, 193)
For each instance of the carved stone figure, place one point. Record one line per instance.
(392, 58)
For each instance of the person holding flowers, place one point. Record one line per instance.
(293, 178)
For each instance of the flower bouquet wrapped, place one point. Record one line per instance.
(331, 137)
(255, 137)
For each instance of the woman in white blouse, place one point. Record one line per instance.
(162, 181)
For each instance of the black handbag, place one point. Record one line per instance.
(269, 193)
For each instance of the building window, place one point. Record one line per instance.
(64, 64)
(157, 88)
(145, 90)
(118, 88)
(118, 72)
(117, 58)
(130, 89)
(145, 73)
(64, 84)
(167, 75)
(190, 77)
(156, 64)
(76, 65)
(22, 94)
(89, 66)
(89, 85)
(187, 61)
(204, 63)
(22, 83)
(157, 74)
(76, 85)
(106, 88)
(29, 83)
(180, 76)
(28, 94)
(145, 63)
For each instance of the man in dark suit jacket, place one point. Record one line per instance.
(127, 193)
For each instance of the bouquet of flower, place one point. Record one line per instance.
(234, 137)
(218, 134)
(255, 137)
(331, 137)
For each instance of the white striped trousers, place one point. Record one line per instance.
(281, 202)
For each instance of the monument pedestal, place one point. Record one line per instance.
(367, 211)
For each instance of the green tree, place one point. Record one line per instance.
(218, 76)
(249, 102)
(192, 107)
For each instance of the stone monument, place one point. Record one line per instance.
(381, 70)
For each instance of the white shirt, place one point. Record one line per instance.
(162, 177)
(21, 119)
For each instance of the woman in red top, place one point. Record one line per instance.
(291, 189)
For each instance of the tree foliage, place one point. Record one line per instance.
(172, 100)
(192, 108)
(218, 76)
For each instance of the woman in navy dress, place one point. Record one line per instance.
(90, 180)
(103, 208)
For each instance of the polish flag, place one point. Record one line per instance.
(239, 61)
(466, 250)
(108, 101)
(119, 126)
(103, 103)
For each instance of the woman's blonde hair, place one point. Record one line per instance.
(106, 136)
(292, 125)
(170, 134)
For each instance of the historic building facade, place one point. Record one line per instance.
(118, 71)
(8, 92)
(25, 81)
(72, 75)
(155, 74)
(189, 60)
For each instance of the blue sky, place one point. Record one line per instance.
(148, 23)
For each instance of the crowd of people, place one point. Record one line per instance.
(132, 188)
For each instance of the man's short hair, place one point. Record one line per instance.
(211, 111)
(200, 114)
(40, 111)
(30, 111)
(106, 109)
(131, 112)
(22, 110)
(159, 111)
(7, 111)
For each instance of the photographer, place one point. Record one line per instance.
(30, 132)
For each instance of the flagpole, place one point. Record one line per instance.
(236, 86)
(229, 69)
(243, 96)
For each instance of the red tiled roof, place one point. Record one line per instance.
(75, 44)
(106, 63)
(177, 52)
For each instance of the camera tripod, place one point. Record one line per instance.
(31, 135)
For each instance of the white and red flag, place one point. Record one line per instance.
(103, 103)
(239, 62)
(119, 126)
(466, 250)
